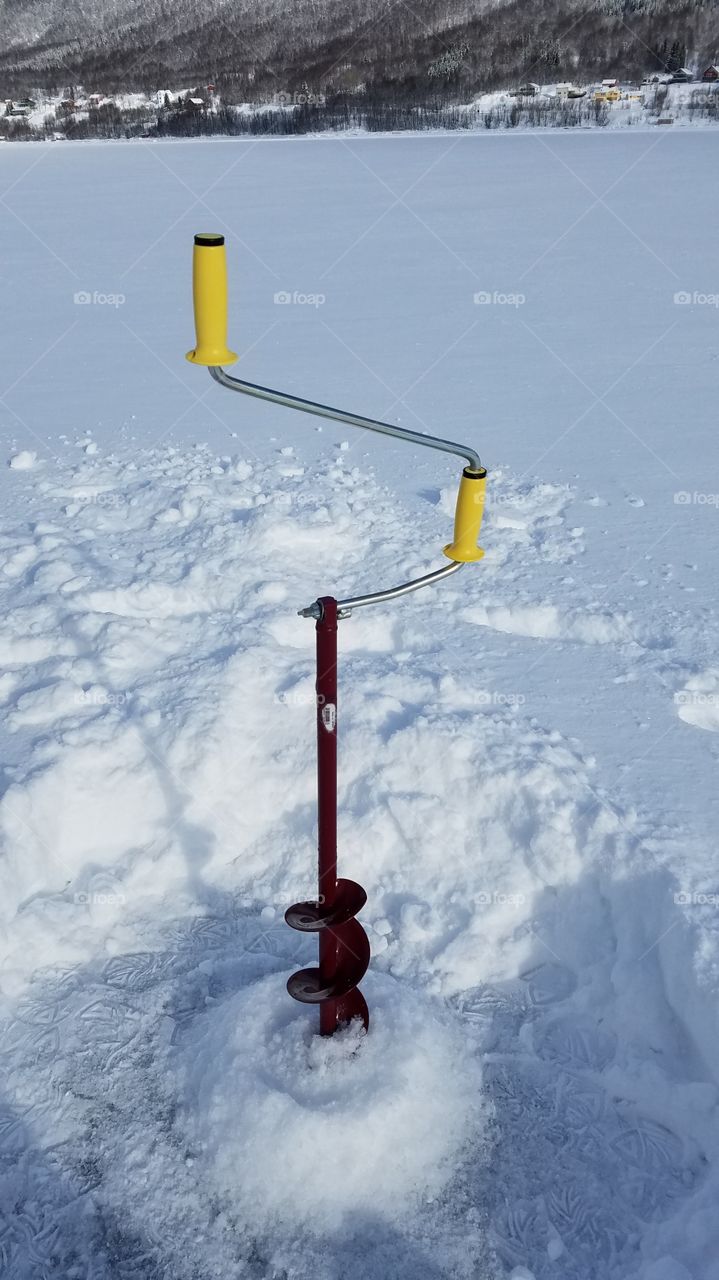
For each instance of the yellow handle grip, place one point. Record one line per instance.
(209, 296)
(468, 517)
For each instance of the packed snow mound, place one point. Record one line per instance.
(23, 460)
(299, 1130)
(547, 622)
(698, 702)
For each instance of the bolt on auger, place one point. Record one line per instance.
(344, 950)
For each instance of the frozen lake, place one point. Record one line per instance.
(598, 232)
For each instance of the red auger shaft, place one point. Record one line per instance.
(326, 688)
(344, 951)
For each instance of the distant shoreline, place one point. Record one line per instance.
(197, 113)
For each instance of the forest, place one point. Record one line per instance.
(408, 51)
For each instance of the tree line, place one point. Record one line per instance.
(368, 111)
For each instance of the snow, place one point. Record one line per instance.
(527, 751)
(366, 1096)
(23, 460)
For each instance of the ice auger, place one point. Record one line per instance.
(344, 950)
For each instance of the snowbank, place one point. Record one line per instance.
(307, 1133)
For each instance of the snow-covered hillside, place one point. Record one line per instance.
(527, 752)
(400, 52)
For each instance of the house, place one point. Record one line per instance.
(608, 91)
(67, 107)
(22, 109)
(568, 90)
(528, 90)
(27, 104)
(196, 104)
(711, 74)
(97, 102)
(682, 76)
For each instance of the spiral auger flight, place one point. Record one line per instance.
(344, 950)
(344, 957)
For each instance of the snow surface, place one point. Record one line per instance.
(528, 752)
